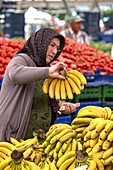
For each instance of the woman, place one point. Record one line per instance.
(23, 105)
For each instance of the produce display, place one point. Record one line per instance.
(81, 57)
(61, 89)
(88, 140)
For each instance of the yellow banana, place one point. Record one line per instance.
(8, 167)
(60, 153)
(65, 144)
(7, 145)
(74, 145)
(63, 90)
(57, 90)
(68, 90)
(14, 141)
(79, 146)
(66, 163)
(3, 155)
(79, 75)
(58, 136)
(23, 142)
(88, 113)
(108, 160)
(5, 151)
(99, 154)
(100, 165)
(87, 136)
(78, 126)
(96, 148)
(55, 154)
(81, 120)
(101, 125)
(103, 134)
(67, 136)
(57, 130)
(37, 158)
(100, 141)
(52, 165)
(27, 152)
(32, 156)
(52, 88)
(69, 148)
(76, 80)
(49, 148)
(106, 145)
(110, 136)
(71, 166)
(74, 86)
(5, 163)
(66, 156)
(107, 153)
(45, 143)
(1, 159)
(46, 85)
(92, 165)
(94, 134)
(93, 142)
(86, 144)
(58, 146)
(109, 127)
(108, 111)
(31, 165)
(93, 125)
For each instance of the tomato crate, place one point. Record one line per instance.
(89, 94)
(107, 93)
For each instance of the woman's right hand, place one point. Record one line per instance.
(54, 70)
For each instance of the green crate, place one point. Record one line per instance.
(107, 93)
(89, 94)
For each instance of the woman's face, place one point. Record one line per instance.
(53, 48)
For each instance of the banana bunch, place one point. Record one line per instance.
(47, 164)
(16, 162)
(60, 139)
(61, 89)
(95, 163)
(6, 149)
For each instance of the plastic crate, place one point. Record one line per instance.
(107, 104)
(64, 119)
(89, 94)
(107, 93)
(86, 104)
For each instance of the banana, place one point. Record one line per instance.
(58, 136)
(94, 134)
(28, 144)
(86, 144)
(96, 148)
(79, 146)
(63, 90)
(58, 146)
(67, 163)
(27, 152)
(55, 154)
(92, 165)
(32, 156)
(88, 113)
(46, 85)
(5, 151)
(109, 167)
(107, 153)
(108, 160)
(49, 148)
(23, 142)
(69, 148)
(109, 127)
(52, 88)
(31, 165)
(74, 145)
(106, 145)
(100, 165)
(37, 158)
(80, 129)
(68, 90)
(103, 135)
(14, 141)
(3, 155)
(101, 125)
(65, 144)
(8, 167)
(110, 136)
(67, 136)
(60, 153)
(74, 86)
(87, 136)
(93, 142)
(71, 166)
(5, 163)
(66, 156)
(100, 141)
(93, 125)
(7, 145)
(57, 130)
(99, 154)
(79, 75)
(1, 159)
(57, 90)
(89, 149)
(81, 120)
(52, 165)
(78, 126)
(108, 111)
(76, 80)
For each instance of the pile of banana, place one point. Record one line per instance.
(62, 89)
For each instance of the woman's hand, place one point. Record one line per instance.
(54, 70)
(67, 107)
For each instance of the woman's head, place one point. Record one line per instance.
(39, 44)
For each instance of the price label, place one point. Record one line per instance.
(81, 168)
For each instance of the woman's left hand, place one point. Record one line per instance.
(67, 107)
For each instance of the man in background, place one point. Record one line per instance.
(74, 30)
